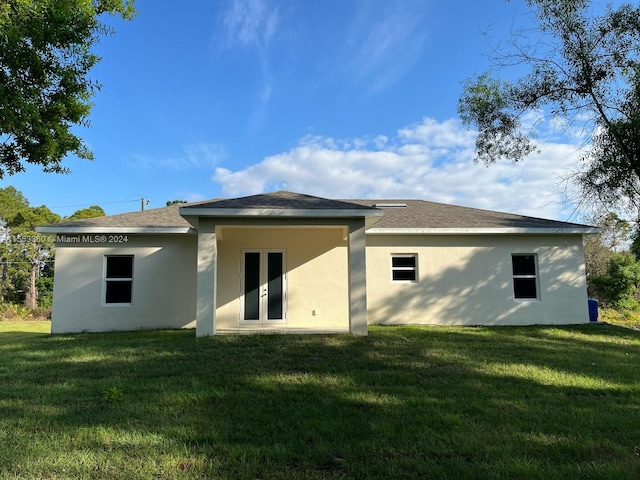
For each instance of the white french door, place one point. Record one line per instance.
(263, 287)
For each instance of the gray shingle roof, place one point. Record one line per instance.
(166, 217)
(418, 214)
(423, 214)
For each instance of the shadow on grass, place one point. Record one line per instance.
(404, 402)
(10, 336)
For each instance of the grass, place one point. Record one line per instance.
(404, 402)
(622, 318)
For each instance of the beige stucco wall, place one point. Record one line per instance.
(317, 281)
(462, 280)
(164, 284)
(468, 280)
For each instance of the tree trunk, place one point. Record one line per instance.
(31, 299)
(5, 264)
(3, 279)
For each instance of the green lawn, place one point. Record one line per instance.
(406, 402)
(625, 318)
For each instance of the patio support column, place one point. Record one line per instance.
(357, 278)
(206, 280)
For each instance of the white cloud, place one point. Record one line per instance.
(383, 44)
(430, 160)
(445, 134)
(199, 155)
(251, 23)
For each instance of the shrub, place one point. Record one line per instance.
(619, 287)
(13, 311)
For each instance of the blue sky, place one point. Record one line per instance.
(344, 99)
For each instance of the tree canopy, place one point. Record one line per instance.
(45, 57)
(26, 257)
(175, 202)
(585, 69)
(84, 213)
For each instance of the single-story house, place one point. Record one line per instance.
(291, 263)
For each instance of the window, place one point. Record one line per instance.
(525, 278)
(118, 278)
(404, 268)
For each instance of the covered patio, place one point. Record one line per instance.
(250, 265)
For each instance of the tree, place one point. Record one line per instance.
(586, 69)
(11, 202)
(84, 213)
(34, 249)
(175, 202)
(635, 243)
(615, 234)
(45, 57)
(618, 288)
(25, 256)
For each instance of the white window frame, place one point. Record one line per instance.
(412, 269)
(535, 276)
(106, 280)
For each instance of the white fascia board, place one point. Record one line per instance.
(89, 230)
(482, 231)
(278, 212)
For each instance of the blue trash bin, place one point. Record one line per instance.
(593, 310)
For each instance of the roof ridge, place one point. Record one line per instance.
(281, 199)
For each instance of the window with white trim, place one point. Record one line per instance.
(118, 279)
(525, 276)
(404, 268)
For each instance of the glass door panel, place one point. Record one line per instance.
(252, 286)
(274, 286)
(263, 287)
